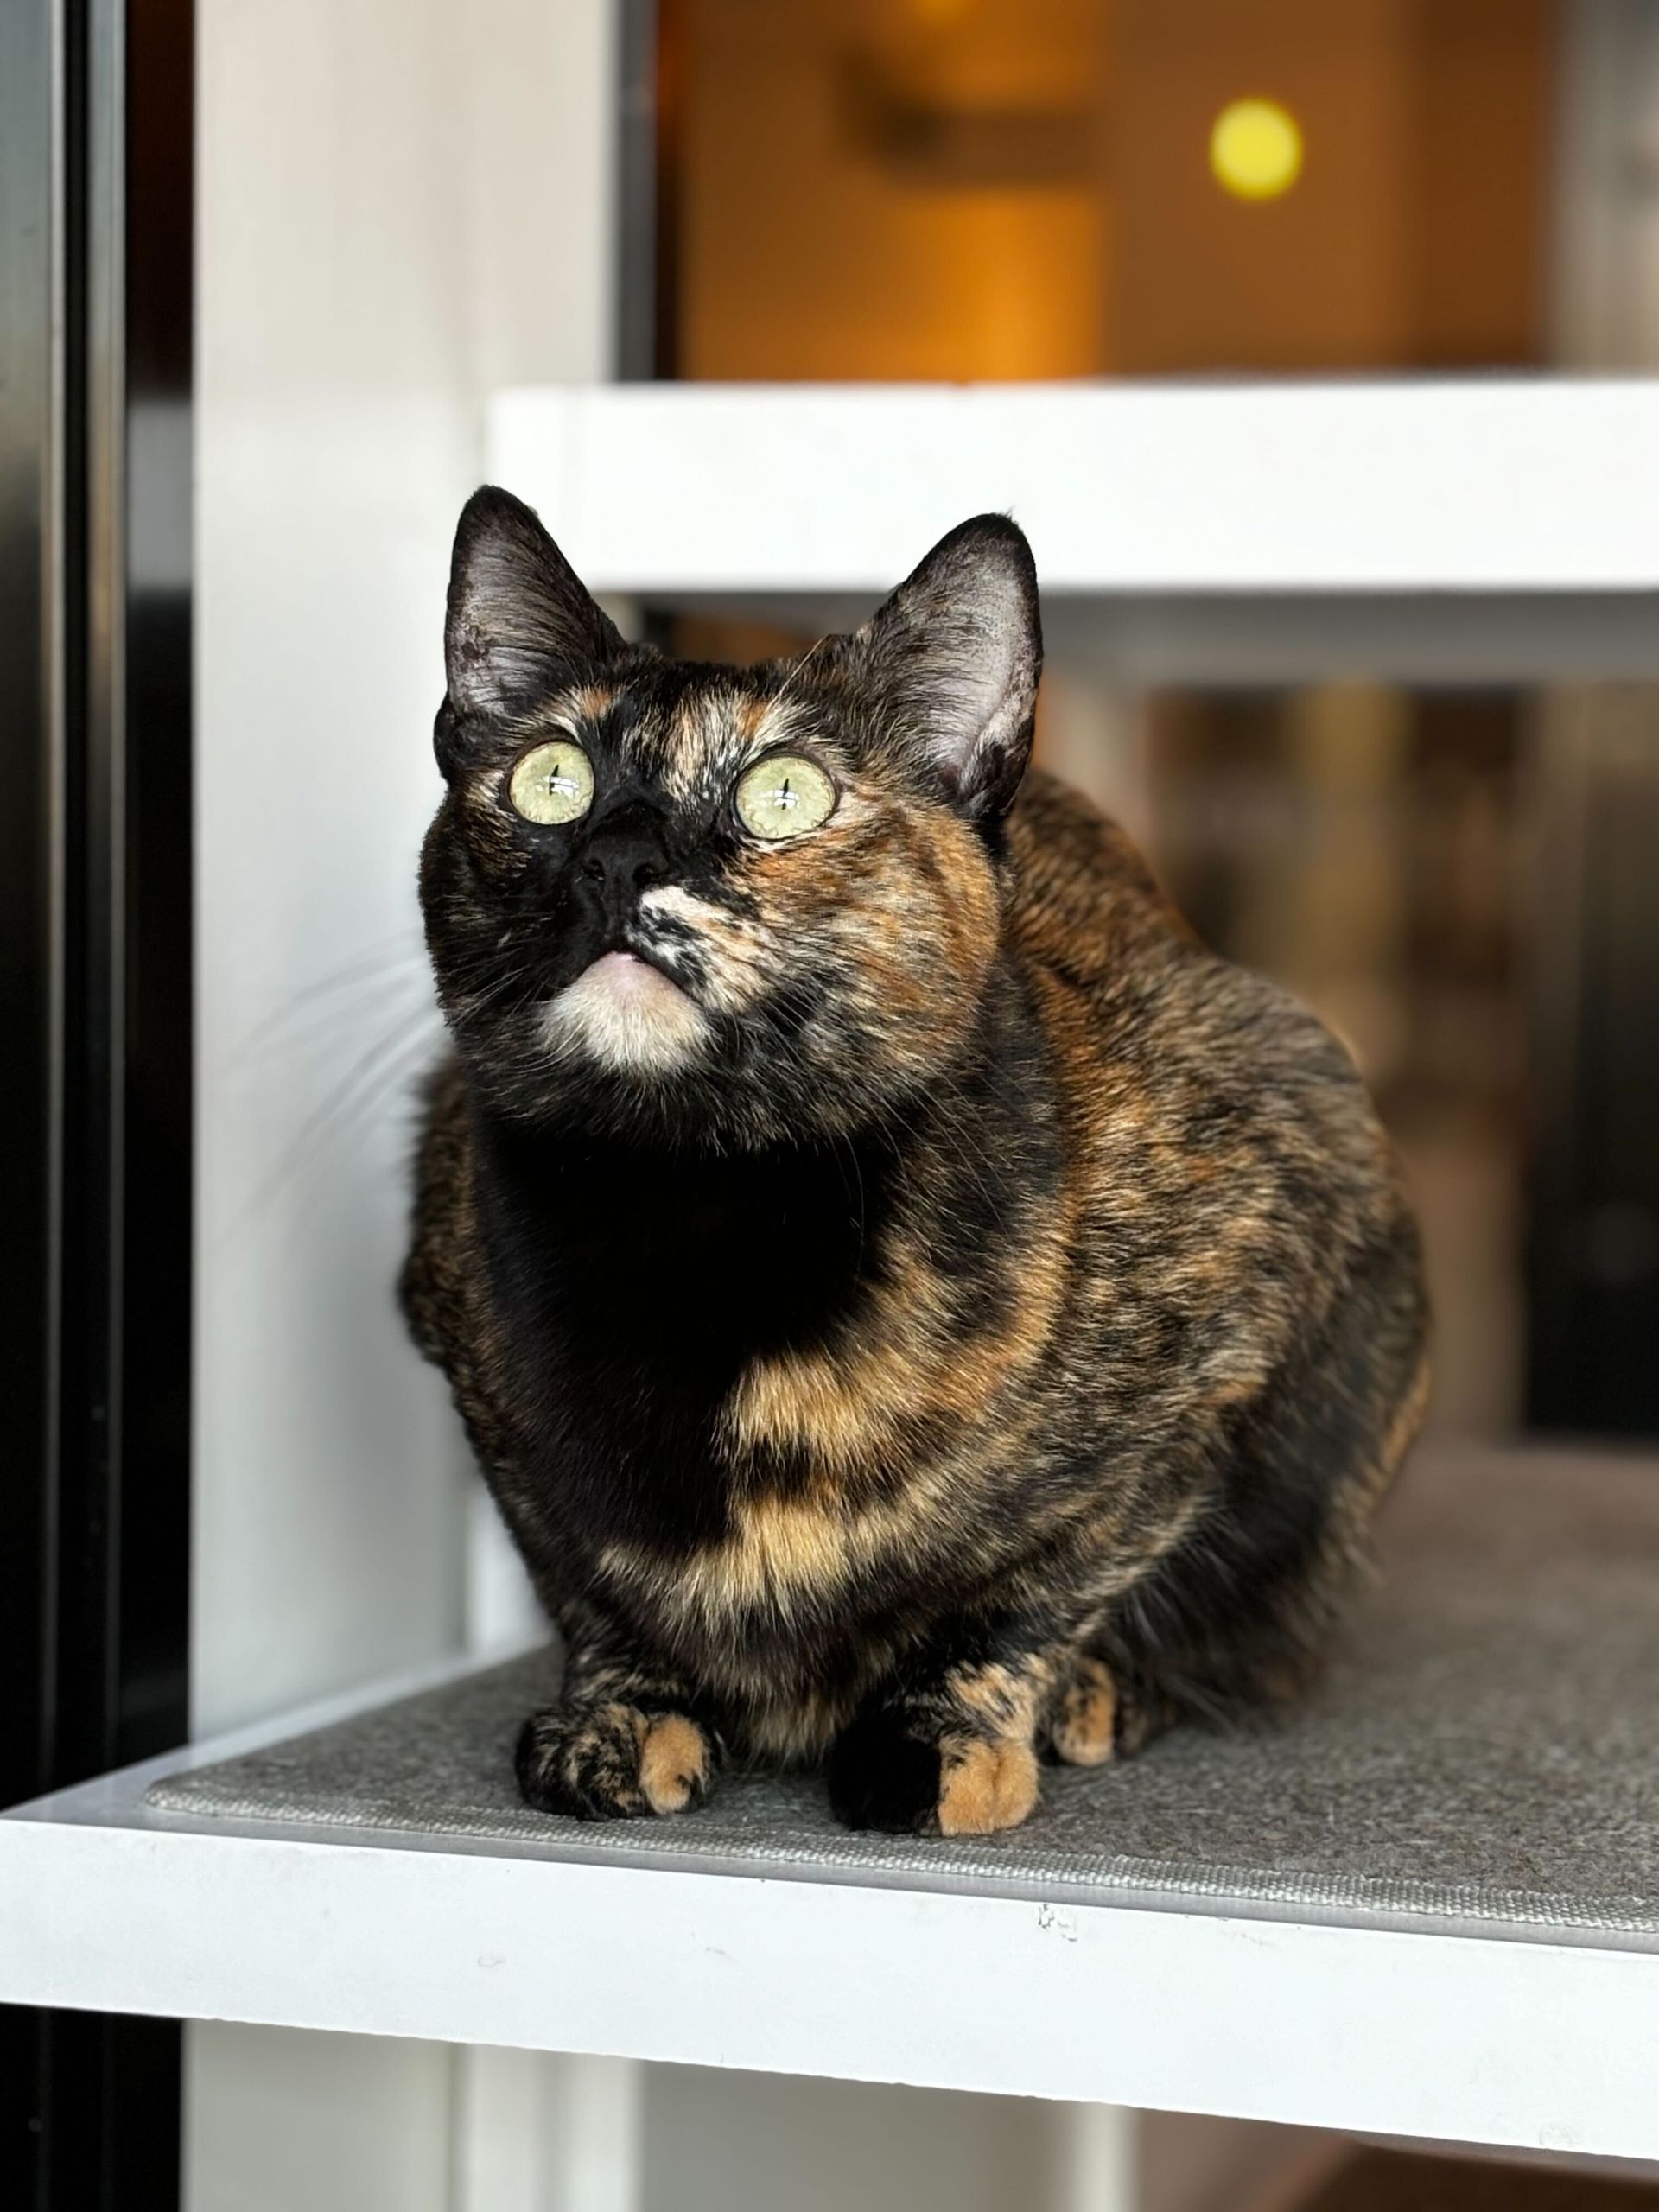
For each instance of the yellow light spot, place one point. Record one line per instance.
(1255, 149)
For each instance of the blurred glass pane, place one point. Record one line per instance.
(1033, 188)
(1462, 884)
(1371, 847)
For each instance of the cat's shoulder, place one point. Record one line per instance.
(1078, 880)
(1088, 916)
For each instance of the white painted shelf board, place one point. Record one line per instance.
(1485, 485)
(1449, 2032)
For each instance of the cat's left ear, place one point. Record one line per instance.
(956, 654)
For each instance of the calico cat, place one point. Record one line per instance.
(914, 1306)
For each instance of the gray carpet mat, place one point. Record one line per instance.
(1485, 1747)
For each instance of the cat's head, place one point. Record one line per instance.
(721, 904)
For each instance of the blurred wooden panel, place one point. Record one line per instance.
(1413, 238)
(1486, 93)
(1021, 188)
(871, 189)
(1318, 278)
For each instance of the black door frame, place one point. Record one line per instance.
(96, 313)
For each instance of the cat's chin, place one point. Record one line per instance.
(627, 1016)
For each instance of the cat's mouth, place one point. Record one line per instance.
(625, 1013)
(630, 976)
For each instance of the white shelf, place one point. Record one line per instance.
(1487, 530)
(1483, 486)
(1440, 2033)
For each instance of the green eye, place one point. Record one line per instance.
(784, 797)
(553, 782)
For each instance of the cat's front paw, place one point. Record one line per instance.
(887, 1771)
(1084, 1726)
(1100, 1714)
(613, 1762)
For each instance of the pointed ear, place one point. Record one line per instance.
(520, 621)
(956, 654)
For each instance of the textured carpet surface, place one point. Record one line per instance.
(1485, 1746)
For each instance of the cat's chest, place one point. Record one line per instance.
(634, 1295)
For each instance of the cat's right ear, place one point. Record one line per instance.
(520, 622)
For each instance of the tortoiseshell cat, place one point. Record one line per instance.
(914, 1306)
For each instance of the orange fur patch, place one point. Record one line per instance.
(847, 1405)
(673, 1763)
(985, 1787)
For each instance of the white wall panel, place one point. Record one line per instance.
(393, 216)
(278, 2118)
(401, 204)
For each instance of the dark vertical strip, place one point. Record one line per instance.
(31, 780)
(654, 36)
(672, 42)
(86, 1661)
(96, 135)
(32, 344)
(156, 1016)
(636, 192)
(1593, 1255)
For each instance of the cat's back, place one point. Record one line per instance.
(1087, 915)
(1185, 1074)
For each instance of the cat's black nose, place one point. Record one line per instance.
(626, 865)
(625, 852)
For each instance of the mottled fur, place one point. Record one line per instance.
(984, 1329)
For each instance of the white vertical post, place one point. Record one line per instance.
(535, 2133)
(1096, 2166)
